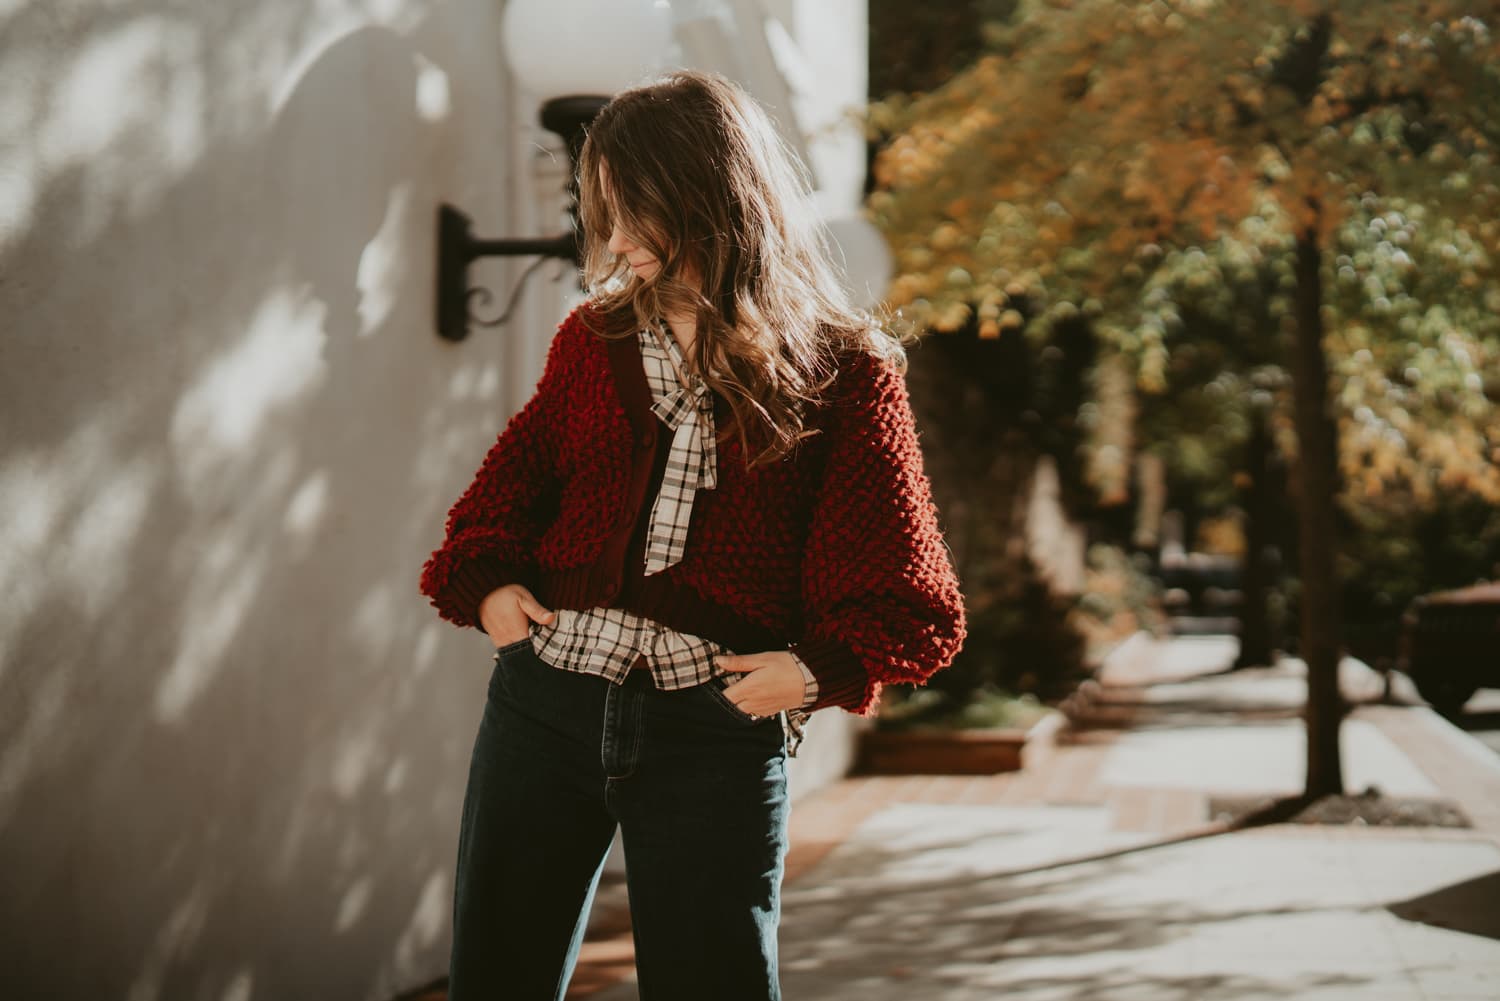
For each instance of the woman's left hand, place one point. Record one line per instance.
(772, 681)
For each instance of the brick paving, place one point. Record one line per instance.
(1149, 691)
(1068, 776)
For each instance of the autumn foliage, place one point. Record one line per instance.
(1269, 212)
(1147, 166)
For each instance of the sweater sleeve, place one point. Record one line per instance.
(880, 595)
(493, 528)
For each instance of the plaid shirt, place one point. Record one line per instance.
(607, 641)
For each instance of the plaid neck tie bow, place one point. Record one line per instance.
(692, 457)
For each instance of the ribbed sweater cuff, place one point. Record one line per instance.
(842, 679)
(473, 580)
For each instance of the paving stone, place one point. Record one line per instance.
(1070, 881)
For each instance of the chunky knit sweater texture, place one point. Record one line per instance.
(833, 552)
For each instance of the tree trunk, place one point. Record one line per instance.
(1256, 646)
(1317, 476)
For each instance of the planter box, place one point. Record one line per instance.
(951, 752)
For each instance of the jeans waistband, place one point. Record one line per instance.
(639, 675)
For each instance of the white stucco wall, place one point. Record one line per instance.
(233, 737)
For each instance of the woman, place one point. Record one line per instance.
(709, 521)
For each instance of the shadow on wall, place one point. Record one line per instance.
(229, 767)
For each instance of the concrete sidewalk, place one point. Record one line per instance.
(1095, 873)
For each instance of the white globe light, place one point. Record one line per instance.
(562, 48)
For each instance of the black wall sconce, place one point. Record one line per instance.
(457, 246)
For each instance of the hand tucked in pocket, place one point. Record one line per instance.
(772, 681)
(507, 613)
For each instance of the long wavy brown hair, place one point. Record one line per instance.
(698, 175)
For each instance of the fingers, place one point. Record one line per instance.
(738, 662)
(769, 685)
(754, 704)
(534, 609)
(509, 611)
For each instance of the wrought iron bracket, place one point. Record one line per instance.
(457, 247)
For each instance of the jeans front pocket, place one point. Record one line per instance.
(517, 646)
(505, 663)
(715, 688)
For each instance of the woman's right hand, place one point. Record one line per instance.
(507, 613)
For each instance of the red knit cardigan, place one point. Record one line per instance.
(833, 552)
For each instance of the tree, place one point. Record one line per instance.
(916, 46)
(1109, 157)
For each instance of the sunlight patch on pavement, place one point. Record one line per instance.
(1264, 758)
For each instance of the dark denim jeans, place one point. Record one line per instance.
(698, 791)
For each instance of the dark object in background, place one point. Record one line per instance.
(1201, 592)
(1450, 644)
